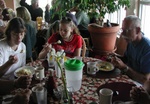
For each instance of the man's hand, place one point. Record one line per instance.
(117, 62)
(139, 95)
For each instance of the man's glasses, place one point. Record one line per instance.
(124, 33)
(125, 30)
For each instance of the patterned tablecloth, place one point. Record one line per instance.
(88, 92)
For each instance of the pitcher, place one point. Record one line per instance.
(73, 72)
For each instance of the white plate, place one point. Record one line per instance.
(29, 69)
(105, 66)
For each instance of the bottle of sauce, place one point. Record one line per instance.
(51, 83)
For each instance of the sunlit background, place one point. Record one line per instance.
(118, 16)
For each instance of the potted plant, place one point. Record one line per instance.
(103, 37)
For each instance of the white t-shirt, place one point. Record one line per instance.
(6, 51)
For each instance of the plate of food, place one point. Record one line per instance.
(105, 66)
(25, 70)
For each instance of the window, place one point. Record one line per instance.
(42, 4)
(145, 16)
(116, 17)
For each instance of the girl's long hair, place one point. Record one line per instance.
(67, 20)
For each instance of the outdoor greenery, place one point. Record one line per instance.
(94, 8)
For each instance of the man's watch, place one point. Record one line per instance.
(124, 71)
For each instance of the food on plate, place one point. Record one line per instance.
(105, 66)
(23, 72)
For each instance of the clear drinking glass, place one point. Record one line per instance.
(61, 95)
(41, 95)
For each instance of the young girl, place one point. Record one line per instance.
(12, 50)
(71, 41)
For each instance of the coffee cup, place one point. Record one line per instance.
(39, 73)
(92, 68)
(105, 96)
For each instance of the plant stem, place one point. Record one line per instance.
(63, 80)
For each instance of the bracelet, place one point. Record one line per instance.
(124, 71)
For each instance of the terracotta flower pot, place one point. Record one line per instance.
(103, 38)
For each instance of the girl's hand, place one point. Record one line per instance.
(13, 59)
(47, 47)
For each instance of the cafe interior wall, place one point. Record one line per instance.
(10, 3)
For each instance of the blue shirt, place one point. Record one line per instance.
(138, 56)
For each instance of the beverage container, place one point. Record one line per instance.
(57, 69)
(92, 68)
(40, 73)
(60, 57)
(73, 72)
(39, 22)
(51, 83)
(105, 96)
(39, 95)
(51, 58)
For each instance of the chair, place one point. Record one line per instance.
(41, 40)
(87, 42)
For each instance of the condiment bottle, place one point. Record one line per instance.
(51, 83)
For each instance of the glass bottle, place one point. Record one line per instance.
(51, 83)
(108, 23)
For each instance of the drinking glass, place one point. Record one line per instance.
(118, 102)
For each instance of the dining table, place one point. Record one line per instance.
(91, 84)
